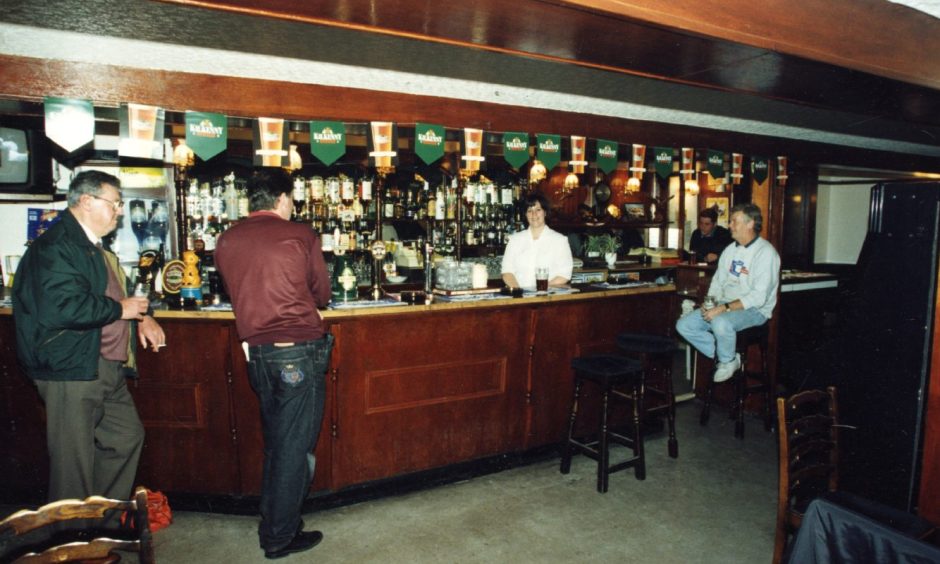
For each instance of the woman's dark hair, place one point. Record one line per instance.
(265, 186)
(540, 199)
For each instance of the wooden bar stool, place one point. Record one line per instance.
(742, 388)
(609, 372)
(656, 352)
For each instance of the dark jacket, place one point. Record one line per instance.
(715, 243)
(59, 305)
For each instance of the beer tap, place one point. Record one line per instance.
(378, 255)
(428, 270)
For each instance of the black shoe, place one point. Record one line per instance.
(305, 540)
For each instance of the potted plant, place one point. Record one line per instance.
(605, 245)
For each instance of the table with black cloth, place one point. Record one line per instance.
(831, 533)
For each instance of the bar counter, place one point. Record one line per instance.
(409, 388)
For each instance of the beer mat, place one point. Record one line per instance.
(529, 292)
(359, 304)
(471, 297)
(609, 286)
(216, 307)
(467, 292)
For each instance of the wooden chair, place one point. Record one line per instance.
(809, 457)
(93, 544)
(808, 427)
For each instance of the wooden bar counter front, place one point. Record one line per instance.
(409, 389)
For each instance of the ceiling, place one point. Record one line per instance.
(856, 73)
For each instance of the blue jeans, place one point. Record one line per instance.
(720, 334)
(291, 387)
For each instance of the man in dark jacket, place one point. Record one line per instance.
(74, 337)
(275, 273)
(710, 239)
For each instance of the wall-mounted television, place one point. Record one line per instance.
(25, 164)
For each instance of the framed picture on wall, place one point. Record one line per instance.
(722, 205)
(634, 212)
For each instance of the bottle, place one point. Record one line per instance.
(399, 208)
(440, 204)
(431, 211)
(243, 202)
(388, 210)
(298, 195)
(452, 200)
(231, 198)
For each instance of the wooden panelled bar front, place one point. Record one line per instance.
(409, 389)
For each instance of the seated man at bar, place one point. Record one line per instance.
(539, 246)
(710, 239)
(744, 291)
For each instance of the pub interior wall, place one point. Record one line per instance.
(841, 221)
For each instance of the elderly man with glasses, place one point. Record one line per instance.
(75, 336)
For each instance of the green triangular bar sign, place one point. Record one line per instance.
(759, 168)
(662, 156)
(716, 164)
(429, 141)
(516, 148)
(607, 155)
(328, 140)
(206, 133)
(549, 149)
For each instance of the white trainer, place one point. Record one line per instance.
(726, 370)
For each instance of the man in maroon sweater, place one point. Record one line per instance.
(275, 274)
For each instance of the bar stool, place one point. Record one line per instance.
(745, 339)
(656, 352)
(608, 372)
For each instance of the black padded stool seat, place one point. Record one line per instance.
(758, 336)
(608, 372)
(656, 352)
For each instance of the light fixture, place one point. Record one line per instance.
(691, 186)
(633, 184)
(537, 172)
(572, 182)
(183, 156)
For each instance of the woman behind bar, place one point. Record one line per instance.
(539, 246)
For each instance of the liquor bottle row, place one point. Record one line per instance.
(344, 211)
(211, 208)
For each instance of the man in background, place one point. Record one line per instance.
(275, 274)
(710, 239)
(75, 328)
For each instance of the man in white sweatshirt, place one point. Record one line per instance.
(745, 290)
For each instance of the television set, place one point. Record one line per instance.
(25, 164)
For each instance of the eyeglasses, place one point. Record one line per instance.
(117, 206)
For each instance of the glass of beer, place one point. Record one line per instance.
(272, 141)
(541, 280)
(382, 143)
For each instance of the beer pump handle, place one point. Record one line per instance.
(428, 268)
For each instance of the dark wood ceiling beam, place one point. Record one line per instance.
(832, 55)
(873, 36)
(31, 79)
